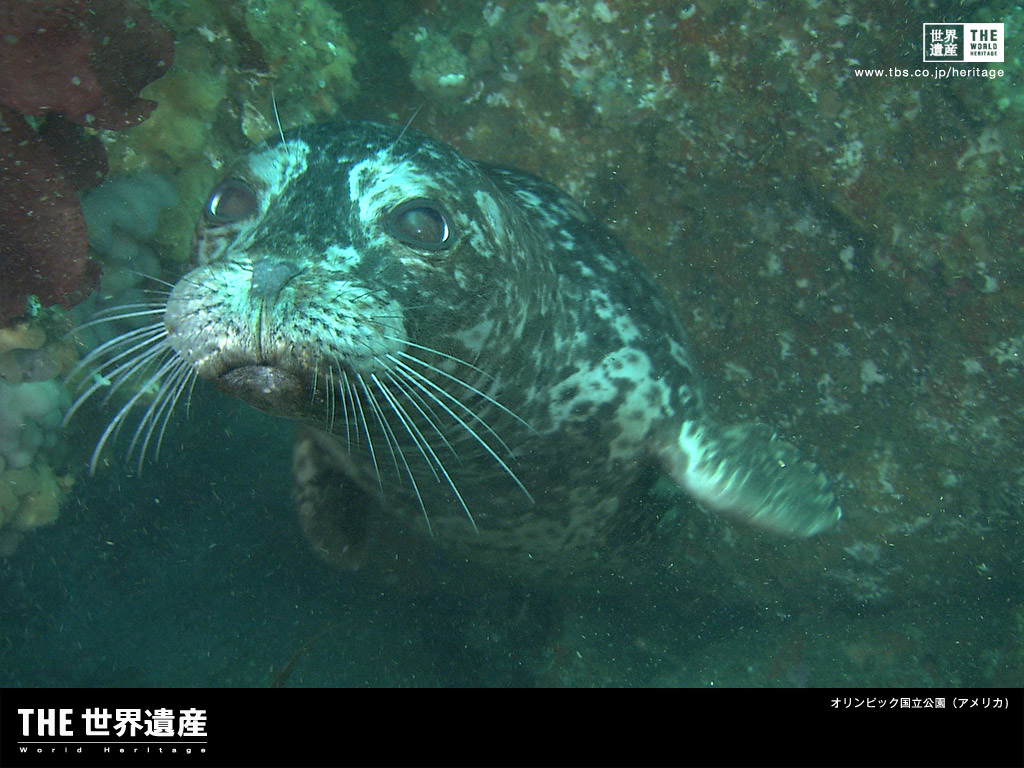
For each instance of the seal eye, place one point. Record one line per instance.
(421, 223)
(232, 200)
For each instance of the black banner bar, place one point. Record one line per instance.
(200, 727)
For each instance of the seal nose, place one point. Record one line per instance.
(269, 276)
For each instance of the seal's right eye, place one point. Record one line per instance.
(232, 200)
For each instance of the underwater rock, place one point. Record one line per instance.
(43, 241)
(23, 336)
(29, 498)
(29, 414)
(85, 62)
(122, 215)
(34, 358)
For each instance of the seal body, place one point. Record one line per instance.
(474, 360)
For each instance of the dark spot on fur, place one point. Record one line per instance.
(582, 409)
(567, 394)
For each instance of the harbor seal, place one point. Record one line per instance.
(473, 359)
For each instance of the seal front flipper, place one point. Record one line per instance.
(334, 503)
(747, 472)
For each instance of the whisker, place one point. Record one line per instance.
(347, 414)
(152, 332)
(407, 422)
(408, 470)
(155, 305)
(476, 416)
(428, 413)
(465, 384)
(163, 400)
(124, 372)
(428, 453)
(119, 417)
(437, 352)
(422, 383)
(188, 382)
(188, 398)
(117, 376)
(404, 129)
(332, 404)
(389, 435)
(366, 427)
(371, 292)
(121, 338)
(122, 312)
(277, 117)
(150, 277)
(329, 401)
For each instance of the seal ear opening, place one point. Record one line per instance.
(333, 505)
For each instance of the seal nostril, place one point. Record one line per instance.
(270, 276)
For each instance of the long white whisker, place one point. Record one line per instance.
(120, 374)
(137, 369)
(437, 352)
(155, 279)
(422, 407)
(119, 417)
(408, 470)
(462, 383)
(405, 128)
(408, 423)
(163, 401)
(124, 372)
(153, 409)
(329, 404)
(188, 398)
(389, 435)
(366, 427)
(141, 355)
(117, 313)
(428, 453)
(277, 117)
(151, 332)
(128, 310)
(347, 414)
(162, 282)
(188, 381)
(416, 375)
(146, 303)
(422, 383)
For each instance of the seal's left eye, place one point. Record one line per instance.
(421, 223)
(232, 200)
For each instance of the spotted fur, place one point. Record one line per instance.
(512, 392)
